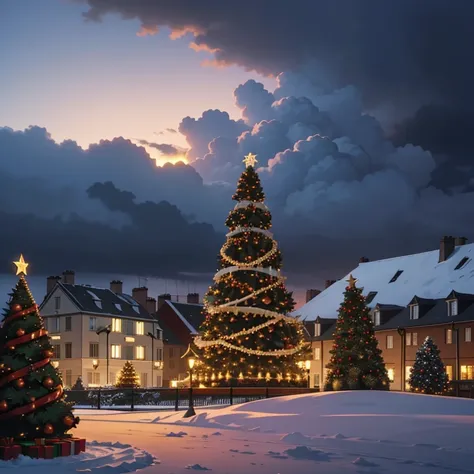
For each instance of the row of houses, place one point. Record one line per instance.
(95, 330)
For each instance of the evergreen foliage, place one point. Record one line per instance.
(128, 377)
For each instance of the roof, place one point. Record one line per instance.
(421, 275)
(190, 314)
(103, 301)
(169, 336)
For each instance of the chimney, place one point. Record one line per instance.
(329, 283)
(51, 283)
(162, 298)
(310, 294)
(364, 260)
(151, 305)
(69, 277)
(116, 286)
(193, 298)
(446, 248)
(140, 295)
(460, 241)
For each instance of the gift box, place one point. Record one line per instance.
(78, 445)
(10, 452)
(38, 451)
(60, 446)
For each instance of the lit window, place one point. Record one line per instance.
(449, 372)
(453, 308)
(317, 329)
(92, 323)
(116, 351)
(467, 334)
(391, 375)
(140, 328)
(467, 372)
(376, 318)
(449, 336)
(140, 350)
(407, 376)
(317, 353)
(414, 311)
(116, 325)
(408, 338)
(414, 338)
(389, 342)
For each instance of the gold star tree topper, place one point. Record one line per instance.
(352, 281)
(21, 265)
(250, 160)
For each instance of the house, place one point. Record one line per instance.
(95, 330)
(410, 297)
(180, 323)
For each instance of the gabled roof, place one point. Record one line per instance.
(169, 336)
(455, 295)
(190, 314)
(388, 307)
(102, 301)
(422, 275)
(416, 300)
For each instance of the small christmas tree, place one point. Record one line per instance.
(356, 361)
(428, 374)
(78, 385)
(128, 377)
(32, 400)
(248, 336)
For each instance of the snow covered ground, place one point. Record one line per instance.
(345, 432)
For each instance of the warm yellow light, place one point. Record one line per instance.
(174, 384)
(300, 364)
(55, 364)
(191, 362)
(95, 363)
(307, 364)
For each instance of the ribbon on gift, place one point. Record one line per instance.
(7, 441)
(40, 441)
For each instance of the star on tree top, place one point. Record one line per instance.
(21, 265)
(352, 281)
(250, 160)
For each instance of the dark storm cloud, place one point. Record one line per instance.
(163, 148)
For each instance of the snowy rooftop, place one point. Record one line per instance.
(419, 274)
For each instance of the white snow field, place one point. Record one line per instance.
(343, 432)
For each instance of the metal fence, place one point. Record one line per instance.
(174, 398)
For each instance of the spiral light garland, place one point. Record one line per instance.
(233, 306)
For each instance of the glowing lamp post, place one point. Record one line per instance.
(191, 357)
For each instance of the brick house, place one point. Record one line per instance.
(180, 322)
(410, 297)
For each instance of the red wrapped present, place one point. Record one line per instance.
(78, 445)
(40, 441)
(10, 452)
(39, 452)
(61, 447)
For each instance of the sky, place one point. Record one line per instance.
(361, 114)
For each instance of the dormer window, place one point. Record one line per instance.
(414, 311)
(317, 329)
(376, 318)
(452, 307)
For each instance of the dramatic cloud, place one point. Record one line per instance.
(163, 148)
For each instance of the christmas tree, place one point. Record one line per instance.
(356, 362)
(79, 385)
(128, 377)
(247, 336)
(428, 374)
(32, 400)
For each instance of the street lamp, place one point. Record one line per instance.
(107, 330)
(95, 364)
(191, 356)
(307, 366)
(402, 333)
(153, 365)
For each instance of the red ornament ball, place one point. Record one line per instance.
(48, 428)
(17, 307)
(68, 420)
(48, 353)
(48, 382)
(266, 300)
(20, 383)
(3, 405)
(20, 332)
(32, 399)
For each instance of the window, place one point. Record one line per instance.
(68, 378)
(449, 372)
(467, 372)
(68, 323)
(376, 318)
(391, 375)
(128, 327)
(140, 329)
(159, 354)
(159, 381)
(317, 329)
(407, 376)
(408, 339)
(171, 352)
(140, 351)
(56, 351)
(414, 338)
(129, 352)
(94, 350)
(414, 311)
(395, 277)
(159, 334)
(316, 380)
(144, 379)
(54, 324)
(96, 378)
(467, 335)
(370, 297)
(317, 353)
(116, 325)
(452, 308)
(57, 303)
(115, 351)
(389, 342)
(92, 323)
(449, 336)
(68, 350)
(462, 263)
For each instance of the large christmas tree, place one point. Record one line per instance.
(428, 374)
(247, 336)
(128, 377)
(32, 400)
(356, 361)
